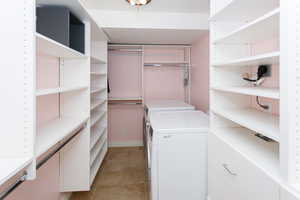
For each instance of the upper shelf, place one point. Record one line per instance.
(50, 47)
(262, 28)
(260, 122)
(43, 92)
(238, 10)
(55, 131)
(264, 59)
(9, 167)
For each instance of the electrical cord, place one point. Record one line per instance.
(262, 106)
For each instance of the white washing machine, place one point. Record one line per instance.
(158, 106)
(178, 155)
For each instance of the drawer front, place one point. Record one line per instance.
(233, 177)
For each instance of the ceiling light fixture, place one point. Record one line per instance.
(138, 2)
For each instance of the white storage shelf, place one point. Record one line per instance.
(260, 122)
(272, 93)
(55, 131)
(98, 74)
(260, 29)
(97, 116)
(97, 102)
(95, 151)
(96, 133)
(9, 167)
(95, 90)
(50, 47)
(43, 92)
(96, 165)
(264, 155)
(95, 60)
(264, 59)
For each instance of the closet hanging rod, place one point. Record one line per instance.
(22, 179)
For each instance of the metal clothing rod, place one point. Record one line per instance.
(22, 179)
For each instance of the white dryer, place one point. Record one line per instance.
(178, 155)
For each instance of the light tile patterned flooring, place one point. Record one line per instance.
(121, 177)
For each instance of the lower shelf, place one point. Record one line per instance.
(96, 134)
(55, 131)
(96, 117)
(97, 149)
(9, 167)
(260, 122)
(97, 164)
(265, 155)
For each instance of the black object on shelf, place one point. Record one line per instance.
(59, 24)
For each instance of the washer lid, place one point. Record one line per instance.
(191, 121)
(168, 105)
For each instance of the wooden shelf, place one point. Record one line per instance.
(260, 29)
(96, 103)
(43, 92)
(265, 59)
(9, 167)
(272, 93)
(96, 117)
(50, 47)
(239, 10)
(265, 155)
(260, 122)
(95, 90)
(55, 131)
(96, 133)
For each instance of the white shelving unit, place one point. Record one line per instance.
(244, 36)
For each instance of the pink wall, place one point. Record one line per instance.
(200, 73)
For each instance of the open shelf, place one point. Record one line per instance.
(260, 122)
(239, 10)
(96, 133)
(260, 29)
(272, 93)
(43, 92)
(9, 167)
(265, 59)
(97, 149)
(97, 163)
(50, 47)
(265, 155)
(55, 131)
(95, 60)
(98, 74)
(97, 102)
(97, 116)
(95, 90)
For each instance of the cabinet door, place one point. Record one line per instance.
(231, 176)
(182, 166)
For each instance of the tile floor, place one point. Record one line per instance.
(121, 177)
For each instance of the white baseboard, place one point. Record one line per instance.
(126, 144)
(66, 196)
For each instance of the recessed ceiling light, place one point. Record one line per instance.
(138, 2)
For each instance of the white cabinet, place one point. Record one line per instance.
(236, 178)
(181, 168)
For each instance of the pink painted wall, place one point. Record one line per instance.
(200, 73)
(46, 186)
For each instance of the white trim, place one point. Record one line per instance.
(127, 144)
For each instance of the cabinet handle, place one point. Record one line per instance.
(228, 170)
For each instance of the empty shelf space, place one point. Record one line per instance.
(96, 134)
(43, 92)
(55, 131)
(9, 167)
(260, 29)
(239, 10)
(96, 117)
(272, 93)
(264, 155)
(95, 90)
(265, 59)
(97, 149)
(97, 102)
(50, 47)
(96, 165)
(260, 122)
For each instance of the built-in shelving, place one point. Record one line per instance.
(97, 102)
(55, 131)
(98, 74)
(97, 149)
(96, 134)
(96, 165)
(95, 60)
(58, 90)
(97, 116)
(260, 29)
(260, 122)
(264, 155)
(264, 59)
(272, 93)
(95, 90)
(50, 47)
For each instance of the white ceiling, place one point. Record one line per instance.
(153, 36)
(154, 6)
